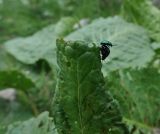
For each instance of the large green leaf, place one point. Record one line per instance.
(143, 12)
(43, 124)
(138, 94)
(81, 104)
(41, 45)
(133, 45)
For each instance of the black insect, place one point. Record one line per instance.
(105, 49)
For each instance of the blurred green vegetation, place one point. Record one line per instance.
(24, 17)
(28, 62)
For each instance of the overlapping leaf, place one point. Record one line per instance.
(133, 45)
(39, 46)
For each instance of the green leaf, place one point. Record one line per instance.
(39, 46)
(33, 73)
(14, 74)
(31, 49)
(42, 124)
(15, 79)
(138, 94)
(81, 104)
(145, 14)
(133, 45)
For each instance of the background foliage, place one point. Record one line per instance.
(28, 61)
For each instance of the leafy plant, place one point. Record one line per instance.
(82, 100)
